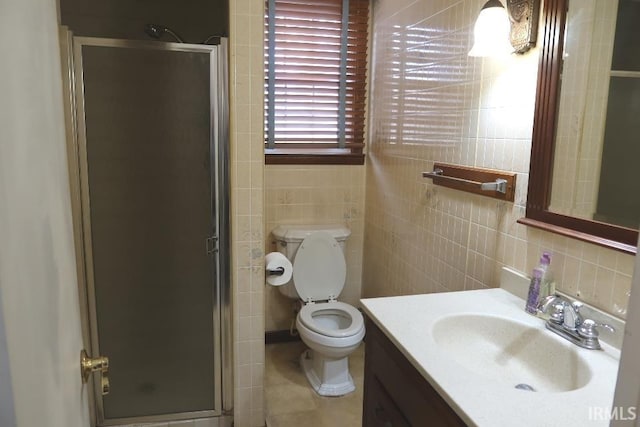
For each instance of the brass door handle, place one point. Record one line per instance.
(100, 364)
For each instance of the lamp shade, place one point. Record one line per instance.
(491, 32)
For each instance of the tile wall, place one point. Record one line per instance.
(247, 210)
(431, 102)
(317, 194)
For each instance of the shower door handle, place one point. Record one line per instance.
(88, 365)
(212, 244)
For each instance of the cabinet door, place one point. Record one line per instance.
(381, 410)
(395, 393)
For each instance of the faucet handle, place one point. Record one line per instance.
(557, 313)
(543, 305)
(577, 305)
(588, 328)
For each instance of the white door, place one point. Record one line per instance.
(40, 336)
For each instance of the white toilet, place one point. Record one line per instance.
(331, 329)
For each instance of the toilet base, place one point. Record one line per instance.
(327, 376)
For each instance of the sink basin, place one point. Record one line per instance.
(474, 347)
(511, 353)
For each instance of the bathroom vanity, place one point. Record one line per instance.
(472, 358)
(395, 394)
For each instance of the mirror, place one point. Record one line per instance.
(583, 180)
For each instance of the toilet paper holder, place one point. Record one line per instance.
(278, 269)
(275, 272)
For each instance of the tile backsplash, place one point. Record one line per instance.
(317, 194)
(431, 102)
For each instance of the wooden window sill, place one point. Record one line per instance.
(281, 157)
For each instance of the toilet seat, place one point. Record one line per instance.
(319, 268)
(308, 313)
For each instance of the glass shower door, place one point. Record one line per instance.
(148, 173)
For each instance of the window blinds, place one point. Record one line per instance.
(315, 62)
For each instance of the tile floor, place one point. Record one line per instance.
(290, 401)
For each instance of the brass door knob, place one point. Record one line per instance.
(95, 364)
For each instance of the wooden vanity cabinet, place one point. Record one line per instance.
(395, 393)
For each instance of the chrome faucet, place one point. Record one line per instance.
(565, 320)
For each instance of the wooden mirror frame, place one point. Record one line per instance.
(543, 143)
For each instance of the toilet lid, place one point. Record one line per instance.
(319, 268)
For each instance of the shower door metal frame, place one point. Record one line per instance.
(79, 183)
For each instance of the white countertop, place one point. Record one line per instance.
(407, 321)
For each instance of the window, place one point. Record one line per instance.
(315, 80)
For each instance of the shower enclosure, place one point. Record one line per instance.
(149, 177)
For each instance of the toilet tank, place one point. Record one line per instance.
(289, 237)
